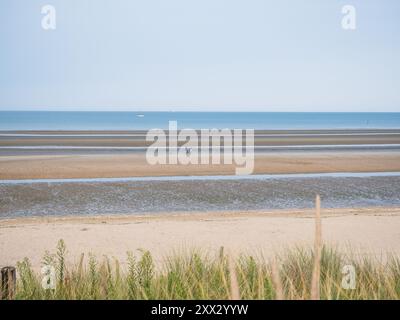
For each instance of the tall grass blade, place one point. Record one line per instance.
(316, 275)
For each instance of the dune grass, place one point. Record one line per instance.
(301, 274)
(199, 275)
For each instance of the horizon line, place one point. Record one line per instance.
(196, 111)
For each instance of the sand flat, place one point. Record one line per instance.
(369, 231)
(135, 165)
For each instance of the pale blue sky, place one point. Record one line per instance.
(207, 55)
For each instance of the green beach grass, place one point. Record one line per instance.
(198, 275)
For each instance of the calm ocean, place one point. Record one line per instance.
(28, 120)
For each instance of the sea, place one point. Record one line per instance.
(74, 121)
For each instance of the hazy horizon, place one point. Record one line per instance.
(195, 111)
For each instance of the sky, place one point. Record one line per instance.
(200, 55)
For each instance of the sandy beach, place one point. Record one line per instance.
(179, 127)
(134, 165)
(35, 215)
(371, 232)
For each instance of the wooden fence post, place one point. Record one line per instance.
(8, 283)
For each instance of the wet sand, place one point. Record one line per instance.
(138, 138)
(218, 193)
(381, 152)
(371, 232)
(135, 165)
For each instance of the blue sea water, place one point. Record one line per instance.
(44, 120)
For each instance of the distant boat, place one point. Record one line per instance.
(140, 115)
